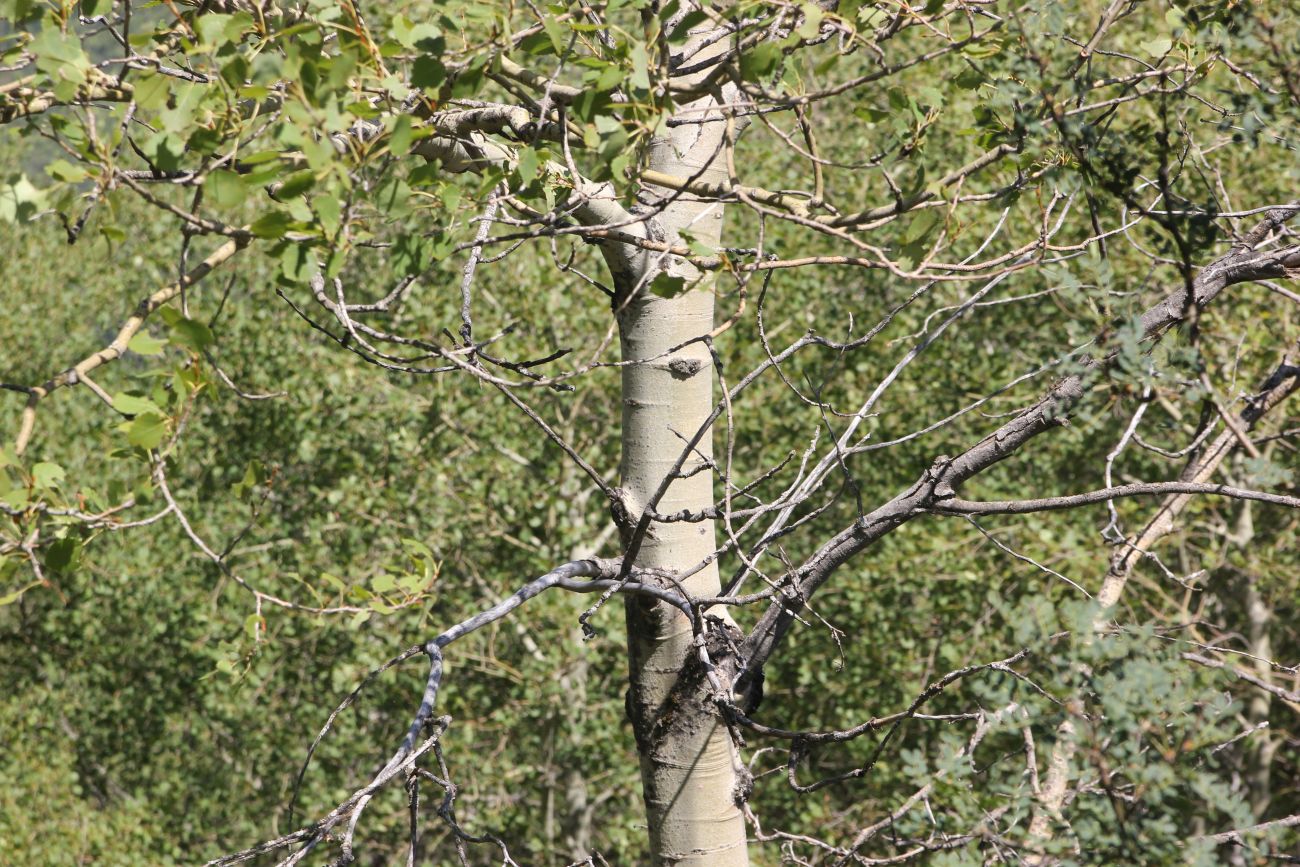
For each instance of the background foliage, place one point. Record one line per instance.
(161, 716)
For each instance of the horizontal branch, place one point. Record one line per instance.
(26, 101)
(956, 506)
(911, 712)
(795, 204)
(801, 205)
(1238, 835)
(1243, 675)
(599, 575)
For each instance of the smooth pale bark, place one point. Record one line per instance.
(1262, 747)
(689, 766)
(1051, 798)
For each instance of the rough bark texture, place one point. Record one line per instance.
(688, 763)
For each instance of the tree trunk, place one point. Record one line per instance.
(1261, 747)
(689, 767)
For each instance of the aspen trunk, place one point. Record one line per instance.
(688, 763)
(1260, 748)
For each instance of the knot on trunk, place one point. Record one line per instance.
(690, 705)
(684, 368)
(744, 787)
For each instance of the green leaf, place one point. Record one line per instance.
(297, 263)
(235, 72)
(60, 56)
(62, 170)
(45, 474)
(11, 598)
(62, 555)
(969, 79)
(130, 404)
(760, 61)
(144, 344)
(1158, 47)
(982, 48)
(527, 165)
(257, 159)
(147, 431)
(226, 188)
(552, 27)
(188, 332)
(921, 225)
(297, 184)
(20, 201)
(393, 197)
(413, 583)
(667, 285)
(329, 213)
(417, 549)
(212, 29)
(113, 233)
(272, 224)
(698, 247)
(605, 76)
(428, 72)
(399, 141)
(812, 21)
(640, 77)
(254, 475)
(165, 149)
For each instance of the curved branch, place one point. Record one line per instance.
(1237, 836)
(602, 574)
(581, 576)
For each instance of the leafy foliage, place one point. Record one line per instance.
(358, 500)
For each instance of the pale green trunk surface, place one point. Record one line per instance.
(687, 759)
(688, 763)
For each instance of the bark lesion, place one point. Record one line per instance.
(685, 368)
(690, 704)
